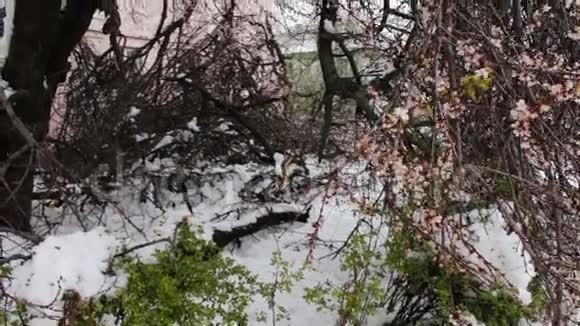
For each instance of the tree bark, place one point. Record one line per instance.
(335, 85)
(223, 238)
(42, 40)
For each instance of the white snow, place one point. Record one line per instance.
(329, 27)
(575, 35)
(69, 262)
(133, 112)
(279, 160)
(504, 251)
(224, 126)
(164, 142)
(5, 87)
(141, 137)
(193, 124)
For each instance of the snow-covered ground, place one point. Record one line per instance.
(74, 259)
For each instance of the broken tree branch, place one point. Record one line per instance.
(223, 238)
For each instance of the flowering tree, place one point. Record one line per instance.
(484, 115)
(480, 102)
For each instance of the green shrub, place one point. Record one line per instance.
(402, 275)
(192, 284)
(189, 284)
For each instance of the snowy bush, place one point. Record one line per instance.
(401, 273)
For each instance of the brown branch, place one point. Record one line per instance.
(4, 167)
(223, 238)
(16, 122)
(141, 246)
(234, 112)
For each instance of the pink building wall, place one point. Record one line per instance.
(140, 18)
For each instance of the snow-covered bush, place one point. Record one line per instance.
(401, 275)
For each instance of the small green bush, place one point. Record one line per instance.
(402, 275)
(189, 284)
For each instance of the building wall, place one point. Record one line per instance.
(140, 18)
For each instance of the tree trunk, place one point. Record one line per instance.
(335, 85)
(42, 40)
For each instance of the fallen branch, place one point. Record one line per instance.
(141, 246)
(223, 238)
(32, 237)
(5, 260)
